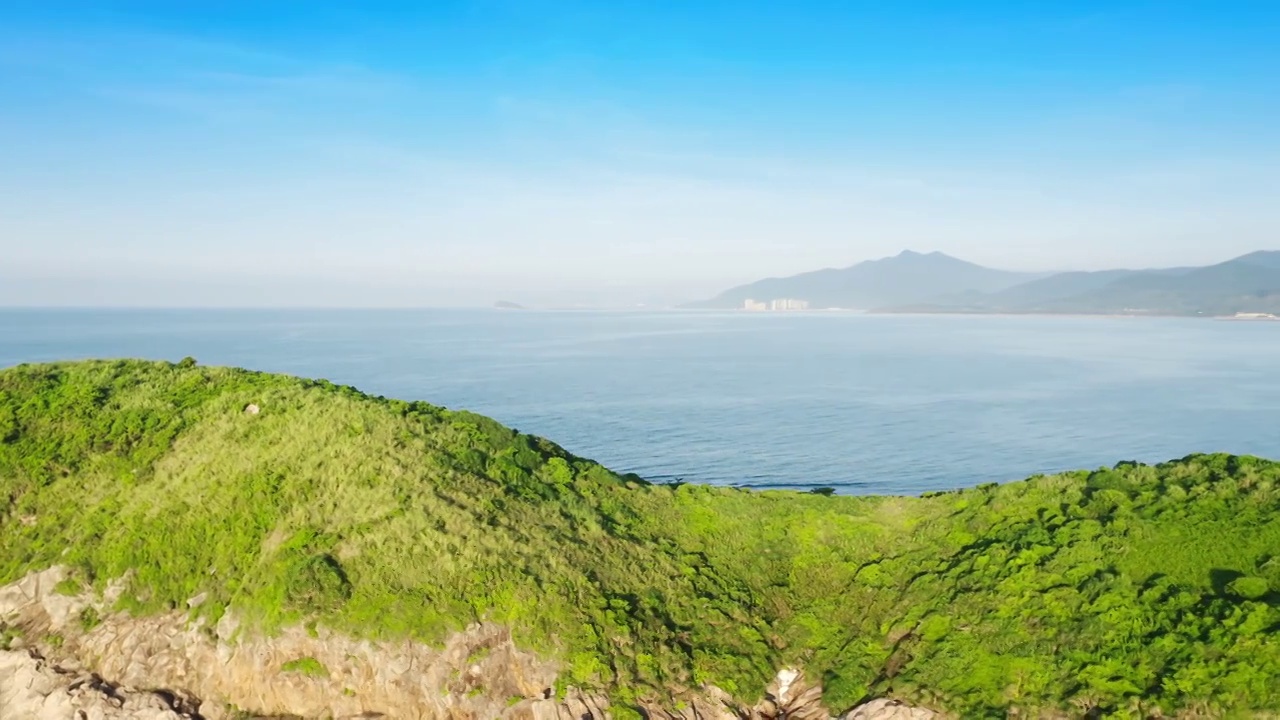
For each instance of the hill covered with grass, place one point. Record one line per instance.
(1129, 591)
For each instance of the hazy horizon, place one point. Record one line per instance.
(572, 153)
(284, 291)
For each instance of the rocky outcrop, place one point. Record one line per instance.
(32, 688)
(163, 663)
(890, 710)
(479, 673)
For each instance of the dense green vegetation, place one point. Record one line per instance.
(1128, 591)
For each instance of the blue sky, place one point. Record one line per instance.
(559, 152)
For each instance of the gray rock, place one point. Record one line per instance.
(889, 710)
(33, 689)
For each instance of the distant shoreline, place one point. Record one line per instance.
(673, 310)
(953, 313)
(913, 283)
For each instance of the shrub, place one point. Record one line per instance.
(1249, 588)
(308, 666)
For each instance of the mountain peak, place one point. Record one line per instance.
(913, 254)
(907, 277)
(1265, 258)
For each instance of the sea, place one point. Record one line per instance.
(866, 404)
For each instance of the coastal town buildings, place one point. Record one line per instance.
(777, 305)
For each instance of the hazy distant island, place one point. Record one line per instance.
(1247, 287)
(508, 305)
(248, 545)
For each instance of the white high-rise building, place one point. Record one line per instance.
(789, 304)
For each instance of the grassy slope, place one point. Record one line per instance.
(1130, 588)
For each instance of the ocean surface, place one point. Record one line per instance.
(862, 403)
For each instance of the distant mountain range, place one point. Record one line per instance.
(907, 278)
(914, 282)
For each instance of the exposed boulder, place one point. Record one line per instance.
(889, 710)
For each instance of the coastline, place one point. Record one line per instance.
(967, 313)
(940, 312)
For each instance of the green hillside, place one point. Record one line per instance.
(1129, 590)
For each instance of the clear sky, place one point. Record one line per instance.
(322, 152)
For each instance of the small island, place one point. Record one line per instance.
(508, 305)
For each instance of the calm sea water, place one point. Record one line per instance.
(867, 404)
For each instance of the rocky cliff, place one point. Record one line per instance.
(33, 687)
(71, 656)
